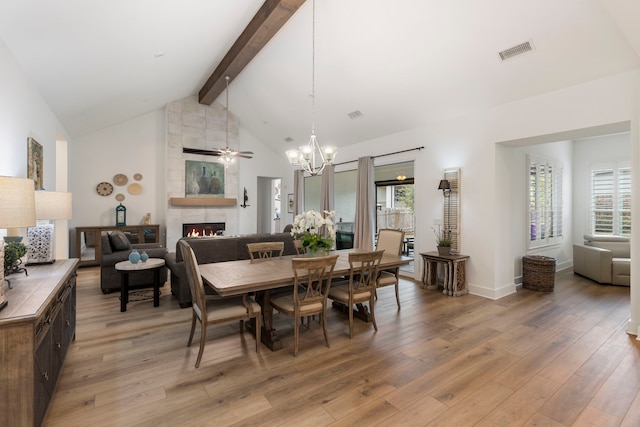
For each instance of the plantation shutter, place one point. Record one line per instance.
(602, 194)
(451, 207)
(611, 199)
(544, 202)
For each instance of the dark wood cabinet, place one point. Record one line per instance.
(36, 330)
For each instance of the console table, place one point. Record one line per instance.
(87, 236)
(36, 329)
(455, 280)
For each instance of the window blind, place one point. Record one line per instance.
(451, 207)
(545, 201)
(611, 199)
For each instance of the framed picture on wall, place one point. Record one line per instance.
(290, 202)
(34, 163)
(204, 179)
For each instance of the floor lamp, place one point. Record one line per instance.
(17, 210)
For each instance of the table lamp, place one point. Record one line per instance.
(49, 205)
(17, 210)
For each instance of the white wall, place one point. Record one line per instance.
(471, 143)
(23, 114)
(265, 163)
(130, 147)
(139, 146)
(609, 148)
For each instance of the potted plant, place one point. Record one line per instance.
(13, 252)
(443, 241)
(316, 230)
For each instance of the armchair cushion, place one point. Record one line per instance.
(119, 241)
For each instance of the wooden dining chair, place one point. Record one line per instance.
(261, 250)
(297, 243)
(215, 310)
(312, 281)
(391, 241)
(361, 286)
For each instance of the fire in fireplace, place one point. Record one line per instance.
(201, 229)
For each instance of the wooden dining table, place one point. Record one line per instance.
(262, 276)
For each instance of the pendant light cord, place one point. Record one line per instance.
(313, 68)
(227, 119)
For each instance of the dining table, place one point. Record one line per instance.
(266, 275)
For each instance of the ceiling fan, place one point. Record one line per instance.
(218, 152)
(226, 153)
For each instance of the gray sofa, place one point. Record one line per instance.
(605, 259)
(116, 248)
(216, 249)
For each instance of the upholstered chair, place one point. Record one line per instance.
(391, 242)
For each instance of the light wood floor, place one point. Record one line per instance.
(553, 359)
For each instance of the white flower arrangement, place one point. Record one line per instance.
(311, 227)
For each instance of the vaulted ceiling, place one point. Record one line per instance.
(400, 63)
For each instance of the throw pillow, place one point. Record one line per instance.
(119, 241)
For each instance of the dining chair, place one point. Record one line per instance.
(312, 281)
(391, 241)
(299, 248)
(361, 286)
(215, 310)
(262, 250)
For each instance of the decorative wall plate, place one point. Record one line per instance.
(119, 197)
(120, 179)
(137, 177)
(104, 188)
(134, 188)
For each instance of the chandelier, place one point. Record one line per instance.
(308, 155)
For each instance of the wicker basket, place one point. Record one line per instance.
(538, 273)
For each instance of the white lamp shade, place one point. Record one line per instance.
(53, 205)
(17, 202)
(294, 157)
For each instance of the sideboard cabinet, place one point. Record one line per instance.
(88, 242)
(36, 329)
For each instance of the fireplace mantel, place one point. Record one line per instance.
(202, 201)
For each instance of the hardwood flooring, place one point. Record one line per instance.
(533, 358)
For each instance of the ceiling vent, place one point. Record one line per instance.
(288, 139)
(516, 50)
(355, 114)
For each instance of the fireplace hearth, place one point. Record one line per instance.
(201, 229)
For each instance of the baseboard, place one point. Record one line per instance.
(494, 294)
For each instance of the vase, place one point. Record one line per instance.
(317, 252)
(144, 256)
(134, 256)
(444, 250)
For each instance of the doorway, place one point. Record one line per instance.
(269, 203)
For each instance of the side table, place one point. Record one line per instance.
(455, 280)
(127, 267)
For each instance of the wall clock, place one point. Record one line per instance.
(104, 189)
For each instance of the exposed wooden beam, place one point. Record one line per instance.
(273, 14)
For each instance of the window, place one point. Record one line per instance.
(545, 201)
(611, 199)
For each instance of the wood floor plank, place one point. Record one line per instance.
(531, 358)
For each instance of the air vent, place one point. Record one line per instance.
(288, 139)
(516, 50)
(355, 114)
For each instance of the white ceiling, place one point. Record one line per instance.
(402, 63)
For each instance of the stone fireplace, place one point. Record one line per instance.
(190, 124)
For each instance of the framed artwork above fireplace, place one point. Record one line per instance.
(204, 179)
